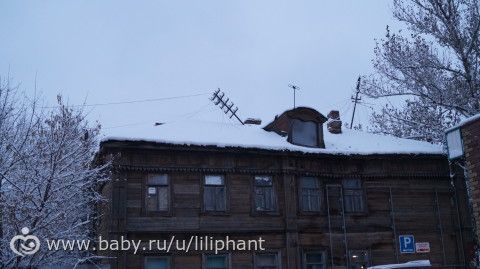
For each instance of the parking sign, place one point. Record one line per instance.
(407, 244)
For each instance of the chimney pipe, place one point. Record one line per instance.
(253, 121)
(334, 124)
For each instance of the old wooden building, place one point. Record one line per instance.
(319, 196)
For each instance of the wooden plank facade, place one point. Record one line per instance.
(396, 195)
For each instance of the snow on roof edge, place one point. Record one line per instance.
(222, 135)
(302, 150)
(464, 122)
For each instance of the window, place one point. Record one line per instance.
(267, 261)
(264, 194)
(353, 194)
(214, 193)
(304, 133)
(358, 259)
(157, 263)
(216, 262)
(314, 260)
(158, 193)
(310, 194)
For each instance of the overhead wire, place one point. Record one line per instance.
(135, 101)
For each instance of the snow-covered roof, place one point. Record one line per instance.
(201, 133)
(464, 122)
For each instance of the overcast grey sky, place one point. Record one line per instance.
(109, 51)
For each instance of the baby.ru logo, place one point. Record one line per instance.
(25, 244)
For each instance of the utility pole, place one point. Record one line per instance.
(355, 100)
(295, 89)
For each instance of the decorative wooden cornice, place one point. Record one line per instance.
(289, 171)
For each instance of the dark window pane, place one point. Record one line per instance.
(214, 198)
(314, 257)
(214, 193)
(305, 133)
(354, 200)
(267, 261)
(352, 183)
(156, 263)
(264, 194)
(157, 180)
(209, 198)
(163, 198)
(314, 260)
(314, 203)
(220, 198)
(309, 182)
(310, 194)
(151, 202)
(216, 262)
(157, 193)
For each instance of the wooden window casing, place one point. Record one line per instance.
(216, 261)
(268, 260)
(157, 193)
(310, 194)
(157, 262)
(214, 194)
(264, 194)
(354, 196)
(314, 259)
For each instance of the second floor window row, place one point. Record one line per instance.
(310, 194)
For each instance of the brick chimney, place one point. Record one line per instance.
(253, 121)
(334, 124)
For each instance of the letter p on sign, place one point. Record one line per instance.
(407, 244)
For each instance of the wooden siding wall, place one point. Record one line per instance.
(404, 195)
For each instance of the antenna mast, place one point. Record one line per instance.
(295, 89)
(217, 99)
(355, 100)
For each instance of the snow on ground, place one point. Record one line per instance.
(204, 133)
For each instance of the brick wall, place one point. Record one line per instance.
(471, 141)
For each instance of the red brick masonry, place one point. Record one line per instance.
(471, 141)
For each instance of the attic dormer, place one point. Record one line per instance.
(302, 125)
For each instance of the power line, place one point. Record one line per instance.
(126, 125)
(134, 101)
(177, 117)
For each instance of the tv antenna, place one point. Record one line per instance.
(295, 88)
(218, 100)
(355, 101)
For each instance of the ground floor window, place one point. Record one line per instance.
(157, 263)
(359, 259)
(216, 261)
(314, 260)
(267, 261)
